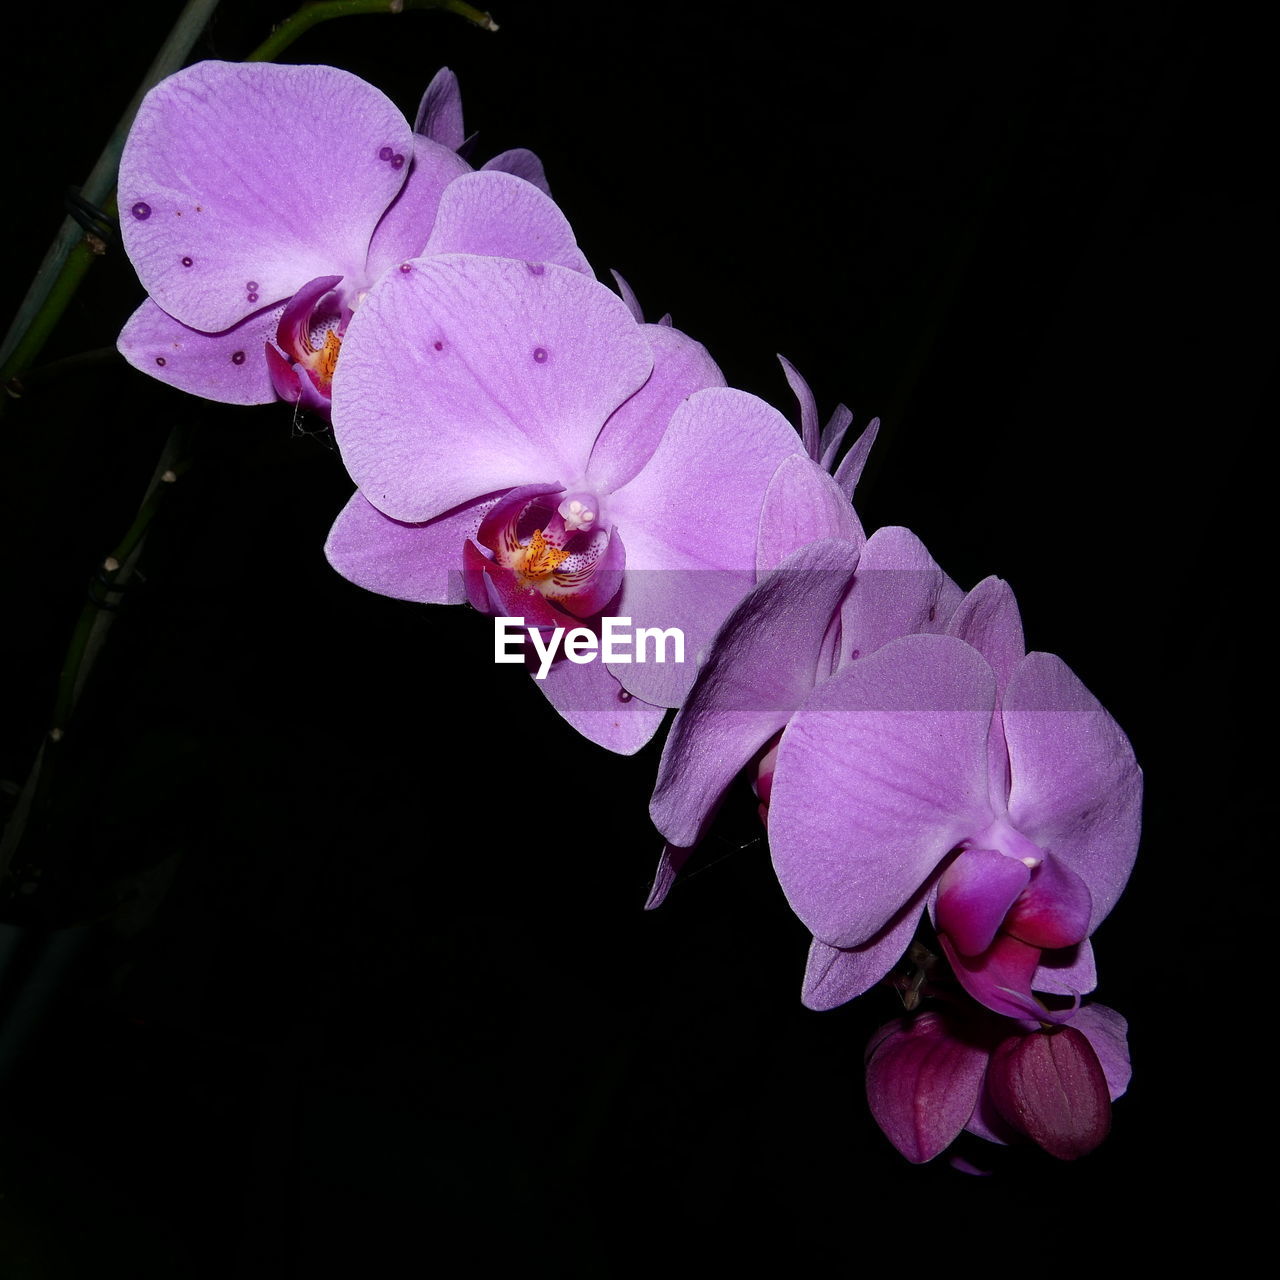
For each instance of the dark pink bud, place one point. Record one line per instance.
(1050, 1086)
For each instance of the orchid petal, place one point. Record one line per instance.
(628, 295)
(802, 505)
(521, 162)
(501, 216)
(899, 591)
(681, 366)
(923, 1082)
(406, 226)
(590, 698)
(440, 111)
(974, 896)
(294, 332)
(1107, 1032)
(206, 216)
(1000, 977)
(692, 513)
(421, 562)
(1068, 971)
(833, 437)
(669, 864)
(466, 375)
(849, 472)
(760, 668)
(1076, 787)
(835, 975)
(809, 434)
(1054, 910)
(228, 367)
(880, 774)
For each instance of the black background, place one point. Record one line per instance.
(310, 978)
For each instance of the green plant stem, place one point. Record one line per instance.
(309, 15)
(96, 617)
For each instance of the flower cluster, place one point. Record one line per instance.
(522, 441)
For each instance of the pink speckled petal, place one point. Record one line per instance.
(228, 367)
(421, 562)
(406, 226)
(254, 173)
(466, 375)
(589, 697)
(501, 216)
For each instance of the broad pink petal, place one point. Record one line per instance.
(501, 216)
(899, 591)
(256, 174)
(1076, 787)
(692, 515)
(802, 505)
(760, 668)
(229, 367)
(833, 975)
(466, 375)
(923, 1081)
(421, 562)
(880, 774)
(406, 226)
(681, 366)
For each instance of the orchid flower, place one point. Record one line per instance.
(958, 772)
(829, 604)
(934, 1074)
(520, 441)
(261, 202)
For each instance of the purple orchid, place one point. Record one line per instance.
(520, 441)
(934, 1074)
(831, 603)
(958, 772)
(907, 752)
(261, 202)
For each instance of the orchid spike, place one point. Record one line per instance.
(263, 201)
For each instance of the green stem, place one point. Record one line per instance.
(323, 10)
